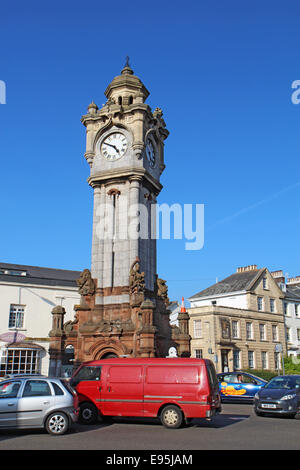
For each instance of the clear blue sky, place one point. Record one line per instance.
(222, 73)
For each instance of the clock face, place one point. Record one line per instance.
(114, 146)
(150, 152)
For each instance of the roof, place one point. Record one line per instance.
(19, 273)
(293, 292)
(240, 281)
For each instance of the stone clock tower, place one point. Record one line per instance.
(123, 309)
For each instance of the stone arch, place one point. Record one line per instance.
(104, 348)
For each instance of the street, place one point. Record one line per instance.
(236, 428)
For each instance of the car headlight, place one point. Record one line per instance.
(288, 397)
(256, 396)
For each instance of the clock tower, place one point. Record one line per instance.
(123, 309)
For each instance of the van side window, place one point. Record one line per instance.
(213, 379)
(88, 373)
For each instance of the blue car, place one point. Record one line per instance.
(239, 386)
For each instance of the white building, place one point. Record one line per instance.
(27, 296)
(292, 315)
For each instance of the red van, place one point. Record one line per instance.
(172, 389)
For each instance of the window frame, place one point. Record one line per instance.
(15, 312)
(196, 330)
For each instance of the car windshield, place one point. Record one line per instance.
(287, 383)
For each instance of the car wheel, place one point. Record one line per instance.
(88, 413)
(57, 423)
(297, 414)
(171, 417)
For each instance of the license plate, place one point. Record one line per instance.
(269, 405)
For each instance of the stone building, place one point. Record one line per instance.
(123, 307)
(238, 321)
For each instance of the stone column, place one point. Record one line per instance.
(56, 343)
(97, 243)
(134, 199)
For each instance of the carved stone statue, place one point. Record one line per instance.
(136, 279)
(86, 285)
(162, 289)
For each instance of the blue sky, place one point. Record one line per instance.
(222, 73)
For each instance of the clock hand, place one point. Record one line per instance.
(114, 147)
(110, 145)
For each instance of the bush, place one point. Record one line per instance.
(291, 366)
(263, 374)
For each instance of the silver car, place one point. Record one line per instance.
(38, 402)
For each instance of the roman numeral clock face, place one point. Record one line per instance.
(114, 146)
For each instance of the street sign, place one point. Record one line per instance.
(278, 347)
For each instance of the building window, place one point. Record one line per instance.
(19, 361)
(265, 283)
(274, 333)
(259, 303)
(197, 329)
(262, 332)
(235, 329)
(16, 316)
(236, 359)
(296, 310)
(285, 308)
(264, 360)
(198, 353)
(298, 334)
(272, 305)
(251, 359)
(288, 334)
(249, 334)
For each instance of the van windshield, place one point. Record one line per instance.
(86, 373)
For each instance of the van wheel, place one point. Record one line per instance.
(171, 417)
(88, 413)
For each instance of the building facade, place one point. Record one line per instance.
(239, 322)
(27, 294)
(291, 311)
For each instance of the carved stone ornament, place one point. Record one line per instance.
(136, 279)
(162, 289)
(85, 283)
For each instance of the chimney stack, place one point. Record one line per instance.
(251, 267)
(278, 276)
(293, 281)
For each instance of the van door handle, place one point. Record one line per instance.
(46, 402)
(10, 404)
(109, 389)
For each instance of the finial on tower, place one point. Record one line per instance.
(127, 69)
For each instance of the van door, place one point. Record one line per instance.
(123, 391)
(88, 384)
